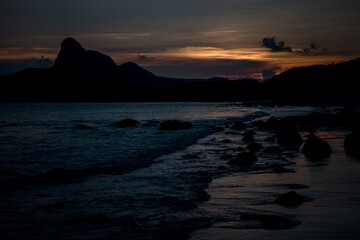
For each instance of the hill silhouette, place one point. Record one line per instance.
(316, 83)
(85, 75)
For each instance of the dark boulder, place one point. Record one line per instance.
(125, 123)
(269, 139)
(254, 147)
(244, 159)
(288, 136)
(238, 126)
(273, 149)
(248, 137)
(222, 168)
(248, 132)
(175, 125)
(82, 127)
(227, 156)
(291, 199)
(315, 147)
(240, 149)
(352, 144)
(190, 156)
(218, 128)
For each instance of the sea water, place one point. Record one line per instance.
(58, 182)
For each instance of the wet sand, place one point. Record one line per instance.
(333, 183)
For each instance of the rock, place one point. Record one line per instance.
(269, 139)
(271, 221)
(226, 141)
(232, 133)
(82, 127)
(125, 123)
(293, 148)
(240, 149)
(272, 123)
(352, 144)
(222, 168)
(227, 156)
(273, 149)
(291, 199)
(248, 137)
(315, 147)
(238, 126)
(254, 147)
(175, 125)
(248, 132)
(288, 136)
(244, 159)
(219, 129)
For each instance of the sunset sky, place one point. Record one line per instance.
(187, 38)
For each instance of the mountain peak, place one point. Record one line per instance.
(70, 45)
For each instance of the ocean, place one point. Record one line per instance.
(59, 182)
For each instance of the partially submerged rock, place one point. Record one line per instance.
(269, 139)
(227, 156)
(273, 149)
(248, 137)
(125, 123)
(82, 127)
(288, 136)
(238, 126)
(218, 128)
(291, 199)
(254, 147)
(352, 144)
(315, 147)
(174, 125)
(244, 159)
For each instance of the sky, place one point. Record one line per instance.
(184, 38)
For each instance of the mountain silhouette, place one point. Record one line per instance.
(73, 58)
(316, 83)
(86, 75)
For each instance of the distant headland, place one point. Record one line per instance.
(85, 75)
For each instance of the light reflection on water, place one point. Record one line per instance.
(334, 213)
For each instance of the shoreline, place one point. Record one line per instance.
(331, 215)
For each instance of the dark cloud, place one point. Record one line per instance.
(142, 58)
(313, 47)
(304, 51)
(274, 46)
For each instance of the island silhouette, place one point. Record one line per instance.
(86, 75)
